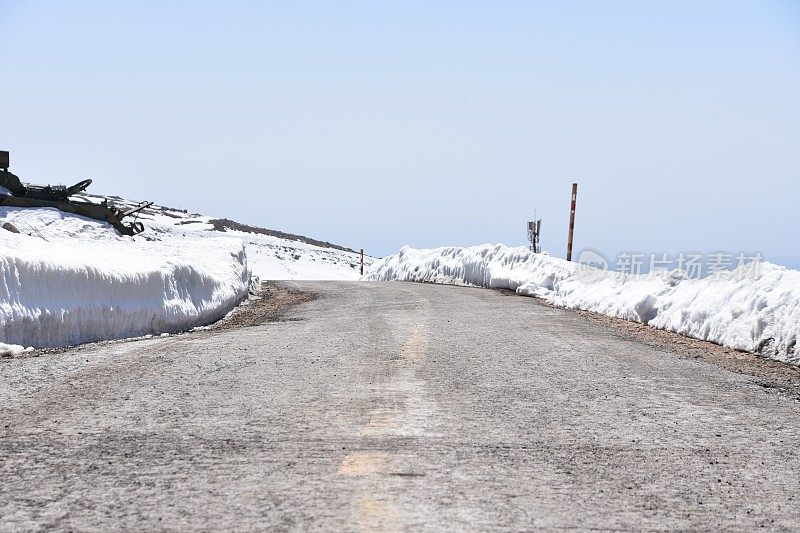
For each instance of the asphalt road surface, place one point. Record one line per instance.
(397, 406)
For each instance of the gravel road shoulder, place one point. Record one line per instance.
(767, 373)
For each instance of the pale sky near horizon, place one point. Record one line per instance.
(379, 124)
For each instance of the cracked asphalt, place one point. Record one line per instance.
(395, 406)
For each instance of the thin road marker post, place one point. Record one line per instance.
(572, 221)
(362, 261)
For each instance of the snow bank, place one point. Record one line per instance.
(757, 311)
(73, 280)
(67, 279)
(12, 349)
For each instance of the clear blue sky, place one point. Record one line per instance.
(379, 124)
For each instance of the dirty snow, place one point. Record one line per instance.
(756, 310)
(66, 279)
(12, 349)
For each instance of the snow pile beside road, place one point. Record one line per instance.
(12, 349)
(75, 280)
(757, 311)
(66, 279)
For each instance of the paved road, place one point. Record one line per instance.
(395, 406)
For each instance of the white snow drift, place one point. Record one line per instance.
(67, 279)
(757, 311)
(56, 293)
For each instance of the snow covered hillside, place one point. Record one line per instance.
(270, 254)
(752, 311)
(66, 279)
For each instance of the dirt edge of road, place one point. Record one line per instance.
(767, 373)
(270, 304)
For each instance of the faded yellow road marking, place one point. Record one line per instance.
(381, 422)
(363, 463)
(415, 346)
(375, 515)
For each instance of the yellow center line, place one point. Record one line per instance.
(382, 422)
(376, 515)
(375, 511)
(415, 346)
(363, 464)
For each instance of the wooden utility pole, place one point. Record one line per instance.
(362, 261)
(571, 221)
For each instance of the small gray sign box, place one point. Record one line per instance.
(4, 162)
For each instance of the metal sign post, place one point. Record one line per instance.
(572, 221)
